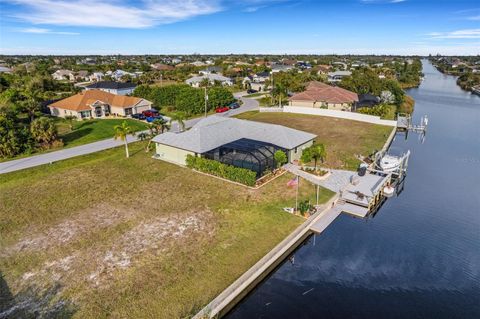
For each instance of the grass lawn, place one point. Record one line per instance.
(104, 236)
(89, 131)
(342, 138)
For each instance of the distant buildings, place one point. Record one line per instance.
(63, 75)
(212, 78)
(98, 104)
(337, 76)
(211, 70)
(4, 69)
(118, 88)
(162, 67)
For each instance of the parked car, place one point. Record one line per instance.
(234, 105)
(150, 113)
(222, 109)
(251, 91)
(138, 116)
(150, 119)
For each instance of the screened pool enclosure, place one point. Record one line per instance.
(246, 153)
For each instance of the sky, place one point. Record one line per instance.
(404, 27)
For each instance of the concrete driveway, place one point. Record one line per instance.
(47, 158)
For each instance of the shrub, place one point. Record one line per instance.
(235, 174)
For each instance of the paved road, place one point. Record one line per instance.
(32, 161)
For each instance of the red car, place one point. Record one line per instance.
(150, 113)
(222, 109)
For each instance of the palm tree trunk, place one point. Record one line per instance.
(126, 148)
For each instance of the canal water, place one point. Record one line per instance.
(419, 256)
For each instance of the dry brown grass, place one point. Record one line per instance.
(343, 138)
(104, 236)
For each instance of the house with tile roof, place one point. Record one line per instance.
(321, 95)
(98, 104)
(231, 141)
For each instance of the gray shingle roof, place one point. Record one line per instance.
(215, 131)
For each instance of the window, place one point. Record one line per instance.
(128, 111)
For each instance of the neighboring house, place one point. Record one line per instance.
(119, 88)
(211, 70)
(248, 82)
(281, 68)
(162, 67)
(337, 76)
(321, 95)
(197, 80)
(367, 100)
(4, 69)
(81, 75)
(62, 75)
(322, 68)
(96, 76)
(233, 141)
(261, 77)
(118, 74)
(98, 104)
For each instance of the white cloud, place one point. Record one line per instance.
(474, 18)
(112, 13)
(459, 34)
(46, 31)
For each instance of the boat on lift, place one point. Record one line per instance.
(389, 163)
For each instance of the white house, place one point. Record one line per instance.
(96, 76)
(61, 75)
(118, 88)
(337, 76)
(212, 78)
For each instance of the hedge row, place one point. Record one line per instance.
(235, 174)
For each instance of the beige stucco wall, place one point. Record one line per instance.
(171, 154)
(295, 156)
(55, 111)
(318, 104)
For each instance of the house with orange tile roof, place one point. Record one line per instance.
(98, 104)
(321, 95)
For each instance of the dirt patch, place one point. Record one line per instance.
(96, 265)
(82, 223)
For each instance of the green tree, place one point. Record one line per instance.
(70, 119)
(280, 158)
(161, 125)
(44, 131)
(315, 152)
(318, 153)
(121, 132)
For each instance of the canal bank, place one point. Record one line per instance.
(418, 256)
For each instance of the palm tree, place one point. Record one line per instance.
(161, 125)
(180, 118)
(121, 132)
(318, 153)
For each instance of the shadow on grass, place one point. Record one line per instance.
(75, 135)
(33, 304)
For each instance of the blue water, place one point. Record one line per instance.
(419, 256)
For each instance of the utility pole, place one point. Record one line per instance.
(206, 99)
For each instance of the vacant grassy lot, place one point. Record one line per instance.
(104, 236)
(89, 131)
(343, 138)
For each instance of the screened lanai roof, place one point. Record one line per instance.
(214, 131)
